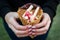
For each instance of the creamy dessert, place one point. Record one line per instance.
(30, 16)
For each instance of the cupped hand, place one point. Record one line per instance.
(19, 30)
(42, 27)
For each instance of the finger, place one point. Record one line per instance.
(23, 32)
(25, 35)
(43, 23)
(40, 33)
(43, 30)
(18, 31)
(11, 18)
(36, 34)
(16, 25)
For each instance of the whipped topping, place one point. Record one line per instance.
(29, 15)
(35, 13)
(29, 9)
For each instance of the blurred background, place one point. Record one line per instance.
(54, 33)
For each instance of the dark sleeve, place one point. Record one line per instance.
(50, 7)
(4, 8)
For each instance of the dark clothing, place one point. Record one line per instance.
(48, 6)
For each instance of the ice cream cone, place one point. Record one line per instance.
(21, 11)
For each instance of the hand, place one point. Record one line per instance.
(42, 27)
(19, 30)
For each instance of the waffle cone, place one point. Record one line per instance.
(24, 21)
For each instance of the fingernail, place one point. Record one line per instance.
(30, 33)
(33, 27)
(33, 30)
(29, 26)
